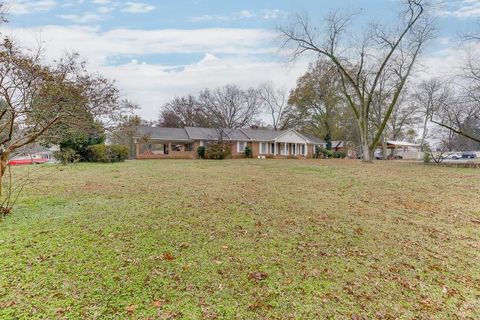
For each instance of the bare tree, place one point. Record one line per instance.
(382, 53)
(428, 96)
(183, 112)
(461, 114)
(230, 106)
(276, 102)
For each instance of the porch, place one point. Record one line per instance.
(283, 149)
(163, 149)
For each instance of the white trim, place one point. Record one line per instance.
(296, 132)
(262, 149)
(238, 146)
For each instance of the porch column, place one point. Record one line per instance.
(306, 150)
(169, 147)
(137, 149)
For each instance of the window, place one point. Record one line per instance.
(302, 149)
(272, 150)
(241, 145)
(189, 147)
(264, 148)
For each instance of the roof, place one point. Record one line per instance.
(202, 133)
(262, 134)
(198, 133)
(236, 134)
(403, 143)
(313, 139)
(162, 133)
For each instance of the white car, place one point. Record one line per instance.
(453, 156)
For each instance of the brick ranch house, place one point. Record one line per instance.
(182, 143)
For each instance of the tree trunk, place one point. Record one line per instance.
(424, 133)
(3, 168)
(366, 153)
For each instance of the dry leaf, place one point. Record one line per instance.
(168, 256)
(131, 308)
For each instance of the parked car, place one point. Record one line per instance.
(26, 159)
(469, 155)
(453, 156)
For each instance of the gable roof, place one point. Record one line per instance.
(262, 134)
(197, 133)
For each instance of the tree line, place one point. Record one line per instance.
(361, 87)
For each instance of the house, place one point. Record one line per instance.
(182, 143)
(403, 150)
(33, 154)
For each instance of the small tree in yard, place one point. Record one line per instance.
(36, 98)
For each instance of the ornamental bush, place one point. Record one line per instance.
(248, 152)
(104, 153)
(201, 152)
(339, 155)
(66, 156)
(217, 151)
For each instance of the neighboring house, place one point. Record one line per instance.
(182, 143)
(33, 154)
(403, 149)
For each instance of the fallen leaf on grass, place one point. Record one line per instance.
(168, 256)
(131, 308)
(158, 303)
(257, 276)
(259, 305)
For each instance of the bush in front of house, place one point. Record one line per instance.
(201, 152)
(339, 155)
(326, 153)
(317, 152)
(104, 153)
(248, 152)
(66, 156)
(117, 153)
(217, 151)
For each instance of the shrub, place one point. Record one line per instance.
(96, 153)
(317, 152)
(427, 158)
(248, 152)
(339, 155)
(201, 152)
(117, 153)
(217, 151)
(66, 156)
(326, 153)
(104, 153)
(80, 141)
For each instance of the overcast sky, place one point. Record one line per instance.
(156, 50)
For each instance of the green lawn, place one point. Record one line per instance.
(243, 239)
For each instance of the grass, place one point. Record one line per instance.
(243, 239)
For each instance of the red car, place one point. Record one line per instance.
(26, 160)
